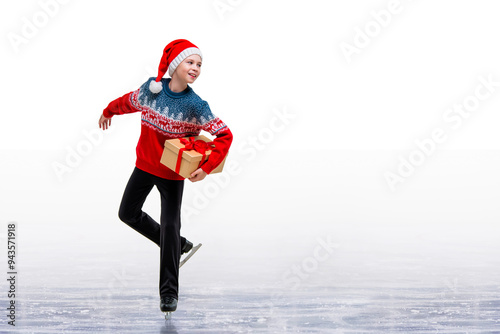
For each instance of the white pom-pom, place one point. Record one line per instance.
(155, 87)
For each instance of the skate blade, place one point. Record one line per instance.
(168, 315)
(191, 253)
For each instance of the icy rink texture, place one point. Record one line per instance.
(368, 284)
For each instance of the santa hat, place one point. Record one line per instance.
(173, 54)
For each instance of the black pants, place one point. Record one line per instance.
(167, 233)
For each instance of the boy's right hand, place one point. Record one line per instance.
(104, 122)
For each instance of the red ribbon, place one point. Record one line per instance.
(190, 144)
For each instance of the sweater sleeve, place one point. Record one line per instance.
(223, 140)
(120, 106)
(222, 144)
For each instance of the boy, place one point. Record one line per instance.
(169, 109)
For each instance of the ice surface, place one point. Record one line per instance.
(227, 310)
(368, 284)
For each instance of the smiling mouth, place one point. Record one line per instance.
(192, 75)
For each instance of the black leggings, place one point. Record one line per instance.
(167, 233)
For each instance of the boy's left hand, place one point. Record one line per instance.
(197, 175)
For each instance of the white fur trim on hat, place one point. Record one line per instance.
(181, 56)
(155, 87)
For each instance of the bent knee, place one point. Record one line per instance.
(127, 216)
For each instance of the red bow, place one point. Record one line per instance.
(190, 144)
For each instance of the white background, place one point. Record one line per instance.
(321, 174)
(258, 55)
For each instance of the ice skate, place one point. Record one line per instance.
(167, 306)
(188, 245)
(190, 250)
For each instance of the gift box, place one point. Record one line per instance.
(180, 155)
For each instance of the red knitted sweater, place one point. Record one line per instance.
(169, 115)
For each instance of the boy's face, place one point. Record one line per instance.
(189, 70)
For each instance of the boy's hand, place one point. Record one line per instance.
(197, 175)
(104, 122)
